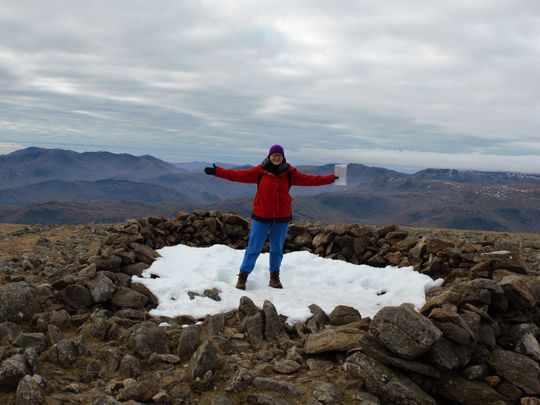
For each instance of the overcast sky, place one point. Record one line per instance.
(409, 83)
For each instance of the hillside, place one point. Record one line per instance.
(114, 190)
(428, 204)
(477, 177)
(34, 165)
(404, 202)
(58, 186)
(83, 212)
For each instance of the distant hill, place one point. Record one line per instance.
(431, 204)
(199, 166)
(35, 165)
(192, 166)
(59, 186)
(84, 212)
(118, 190)
(477, 177)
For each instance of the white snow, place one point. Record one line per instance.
(307, 279)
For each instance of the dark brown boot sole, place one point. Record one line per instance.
(275, 282)
(275, 285)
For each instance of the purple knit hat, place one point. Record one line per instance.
(276, 149)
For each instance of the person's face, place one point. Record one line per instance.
(276, 158)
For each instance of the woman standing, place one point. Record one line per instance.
(272, 207)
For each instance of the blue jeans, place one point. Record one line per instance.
(257, 236)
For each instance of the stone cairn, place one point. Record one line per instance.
(86, 336)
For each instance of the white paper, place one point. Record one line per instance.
(341, 172)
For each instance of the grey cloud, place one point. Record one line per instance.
(224, 79)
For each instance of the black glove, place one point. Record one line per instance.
(211, 171)
(336, 177)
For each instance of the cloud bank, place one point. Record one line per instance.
(416, 83)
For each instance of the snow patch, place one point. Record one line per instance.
(307, 279)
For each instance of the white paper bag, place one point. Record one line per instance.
(341, 172)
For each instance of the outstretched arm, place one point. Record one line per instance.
(240, 176)
(301, 179)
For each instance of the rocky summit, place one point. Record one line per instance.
(75, 329)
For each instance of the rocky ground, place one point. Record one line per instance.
(74, 330)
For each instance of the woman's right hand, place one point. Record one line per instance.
(211, 171)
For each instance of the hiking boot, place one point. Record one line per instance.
(274, 280)
(241, 283)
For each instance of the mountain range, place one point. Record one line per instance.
(61, 186)
(35, 165)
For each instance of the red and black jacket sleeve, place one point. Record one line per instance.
(240, 176)
(302, 179)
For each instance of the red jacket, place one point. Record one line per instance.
(273, 201)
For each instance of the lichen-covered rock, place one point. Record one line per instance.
(303, 240)
(63, 282)
(459, 390)
(38, 341)
(135, 269)
(28, 392)
(270, 384)
(76, 296)
(517, 368)
(453, 325)
(260, 398)
(327, 393)
(104, 263)
(55, 334)
(331, 339)
(247, 307)
(343, 314)
(18, 302)
(240, 381)
(528, 345)
(101, 289)
(384, 382)
(205, 359)
(285, 366)
(106, 400)
(518, 291)
(435, 245)
(144, 290)
(404, 331)
(369, 346)
(253, 327)
(141, 391)
(273, 328)
(9, 332)
(144, 253)
(233, 219)
(149, 338)
(188, 341)
(12, 370)
(215, 324)
(319, 319)
(127, 298)
(65, 353)
(447, 355)
(130, 366)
